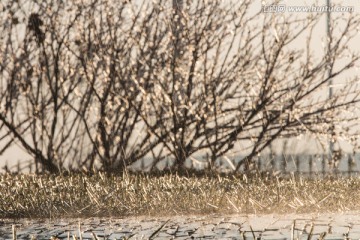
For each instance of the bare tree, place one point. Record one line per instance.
(101, 85)
(36, 83)
(118, 78)
(75, 84)
(229, 78)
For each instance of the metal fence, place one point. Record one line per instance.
(305, 164)
(310, 165)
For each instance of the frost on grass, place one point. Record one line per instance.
(108, 195)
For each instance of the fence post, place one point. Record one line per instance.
(350, 165)
(283, 163)
(297, 163)
(323, 163)
(142, 164)
(259, 165)
(310, 162)
(272, 162)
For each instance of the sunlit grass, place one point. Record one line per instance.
(82, 195)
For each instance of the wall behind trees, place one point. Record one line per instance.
(103, 84)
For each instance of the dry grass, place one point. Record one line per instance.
(80, 195)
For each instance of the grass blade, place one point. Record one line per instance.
(158, 230)
(14, 232)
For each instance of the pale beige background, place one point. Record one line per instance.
(15, 154)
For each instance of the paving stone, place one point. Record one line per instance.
(204, 229)
(275, 236)
(100, 234)
(6, 236)
(354, 236)
(55, 232)
(172, 230)
(267, 227)
(120, 235)
(319, 229)
(61, 224)
(247, 236)
(339, 229)
(76, 233)
(224, 225)
(259, 223)
(232, 234)
(188, 229)
(220, 231)
(334, 237)
(279, 224)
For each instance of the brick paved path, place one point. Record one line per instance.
(245, 227)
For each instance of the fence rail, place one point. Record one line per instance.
(305, 164)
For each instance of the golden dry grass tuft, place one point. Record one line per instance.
(80, 195)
